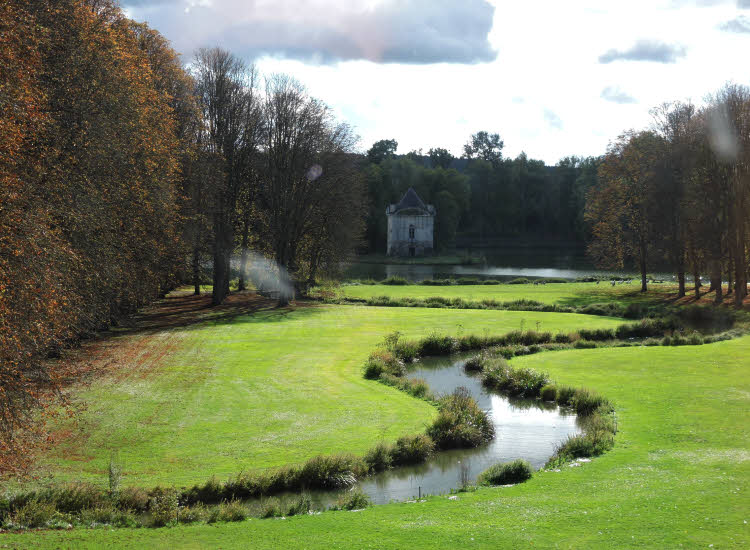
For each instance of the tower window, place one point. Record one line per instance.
(411, 231)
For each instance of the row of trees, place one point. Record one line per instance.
(123, 175)
(91, 144)
(274, 170)
(481, 195)
(679, 194)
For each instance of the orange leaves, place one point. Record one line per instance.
(89, 157)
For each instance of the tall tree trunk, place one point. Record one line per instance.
(244, 254)
(196, 267)
(716, 281)
(680, 257)
(697, 284)
(730, 277)
(642, 265)
(221, 262)
(740, 272)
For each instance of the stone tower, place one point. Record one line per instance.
(410, 226)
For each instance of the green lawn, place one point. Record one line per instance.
(266, 389)
(677, 477)
(570, 294)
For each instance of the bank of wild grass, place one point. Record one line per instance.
(594, 410)
(516, 471)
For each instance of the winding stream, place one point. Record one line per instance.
(525, 428)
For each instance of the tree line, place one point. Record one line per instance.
(481, 196)
(678, 194)
(123, 174)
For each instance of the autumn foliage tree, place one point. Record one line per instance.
(91, 116)
(680, 195)
(622, 209)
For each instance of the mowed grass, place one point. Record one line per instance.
(677, 477)
(568, 294)
(261, 390)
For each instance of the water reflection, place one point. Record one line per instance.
(525, 428)
(416, 273)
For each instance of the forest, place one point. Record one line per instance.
(481, 196)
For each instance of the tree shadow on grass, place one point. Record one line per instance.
(629, 296)
(182, 309)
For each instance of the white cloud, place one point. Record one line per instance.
(548, 60)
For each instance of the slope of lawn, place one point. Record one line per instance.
(260, 390)
(569, 294)
(677, 477)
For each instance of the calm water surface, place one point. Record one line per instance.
(501, 264)
(524, 428)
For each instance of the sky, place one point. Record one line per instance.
(552, 78)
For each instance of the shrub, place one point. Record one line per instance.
(519, 281)
(412, 449)
(352, 500)
(524, 304)
(651, 342)
(474, 364)
(565, 395)
(395, 281)
(678, 339)
(471, 342)
(210, 492)
(406, 350)
(331, 472)
(300, 505)
(467, 281)
(192, 514)
(527, 337)
(380, 301)
(440, 300)
(460, 422)
(695, 339)
(586, 402)
(585, 445)
(490, 282)
(548, 393)
(516, 471)
(34, 513)
(524, 382)
(436, 282)
(666, 341)
(132, 498)
(379, 458)
(383, 362)
(271, 508)
(108, 515)
(69, 498)
(163, 506)
(227, 511)
(597, 334)
(608, 309)
(415, 387)
(562, 338)
(434, 344)
(585, 344)
(645, 328)
(635, 311)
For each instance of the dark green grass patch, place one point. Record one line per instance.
(507, 473)
(460, 422)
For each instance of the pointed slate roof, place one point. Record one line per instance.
(410, 200)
